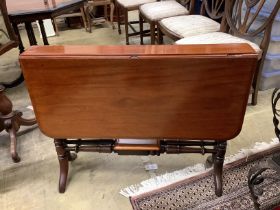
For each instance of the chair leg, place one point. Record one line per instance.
(152, 29)
(126, 26)
(218, 167)
(84, 17)
(159, 36)
(88, 18)
(141, 29)
(118, 18)
(55, 27)
(254, 100)
(105, 12)
(63, 157)
(255, 84)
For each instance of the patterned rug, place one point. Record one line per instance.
(197, 192)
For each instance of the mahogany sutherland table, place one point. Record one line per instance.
(180, 99)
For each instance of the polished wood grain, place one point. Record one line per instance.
(147, 50)
(153, 92)
(137, 145)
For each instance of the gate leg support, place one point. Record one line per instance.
(63, 157)
(218, 166)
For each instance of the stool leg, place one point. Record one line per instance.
(89, 26)
(218, 166)
(83, 14)
(63, 163)
(159, 35)
(126, 26)
(55, 26)
(141, 29)
(112, 8)
(105, 12)
(118, 18)
(152, 29)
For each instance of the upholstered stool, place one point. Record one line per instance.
(189, 25)
(153, 12)
(125, 6)
(94, 3)
(71, 14)
(211, 14)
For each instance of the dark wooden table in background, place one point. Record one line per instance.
(28, 11)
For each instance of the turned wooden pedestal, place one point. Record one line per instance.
(11, 121)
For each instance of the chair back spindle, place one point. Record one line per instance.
(242, 15)
(213, 9)
(189, 4)
(242, 20)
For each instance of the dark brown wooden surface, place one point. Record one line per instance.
(149, 50)
(188, 92)
(25, 7)
(28, 11)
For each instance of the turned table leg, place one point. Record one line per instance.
(63, 158)
(11, 121)
(62, 155)
(218, 159)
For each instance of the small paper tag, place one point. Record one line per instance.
(151, 166)
(30, 107)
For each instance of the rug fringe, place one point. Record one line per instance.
(258, 147)
(169, 178)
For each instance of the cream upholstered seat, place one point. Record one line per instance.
(153, 12)
(218, 38)
(133, 3)
(209, 19)
(189, 25)
(163, 9)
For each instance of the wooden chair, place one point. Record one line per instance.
(80, 13)
(153, 12)
(94, 98)
(9, 120)
(90, 5)
(240, 28)
(125, 6)
(183, 26)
